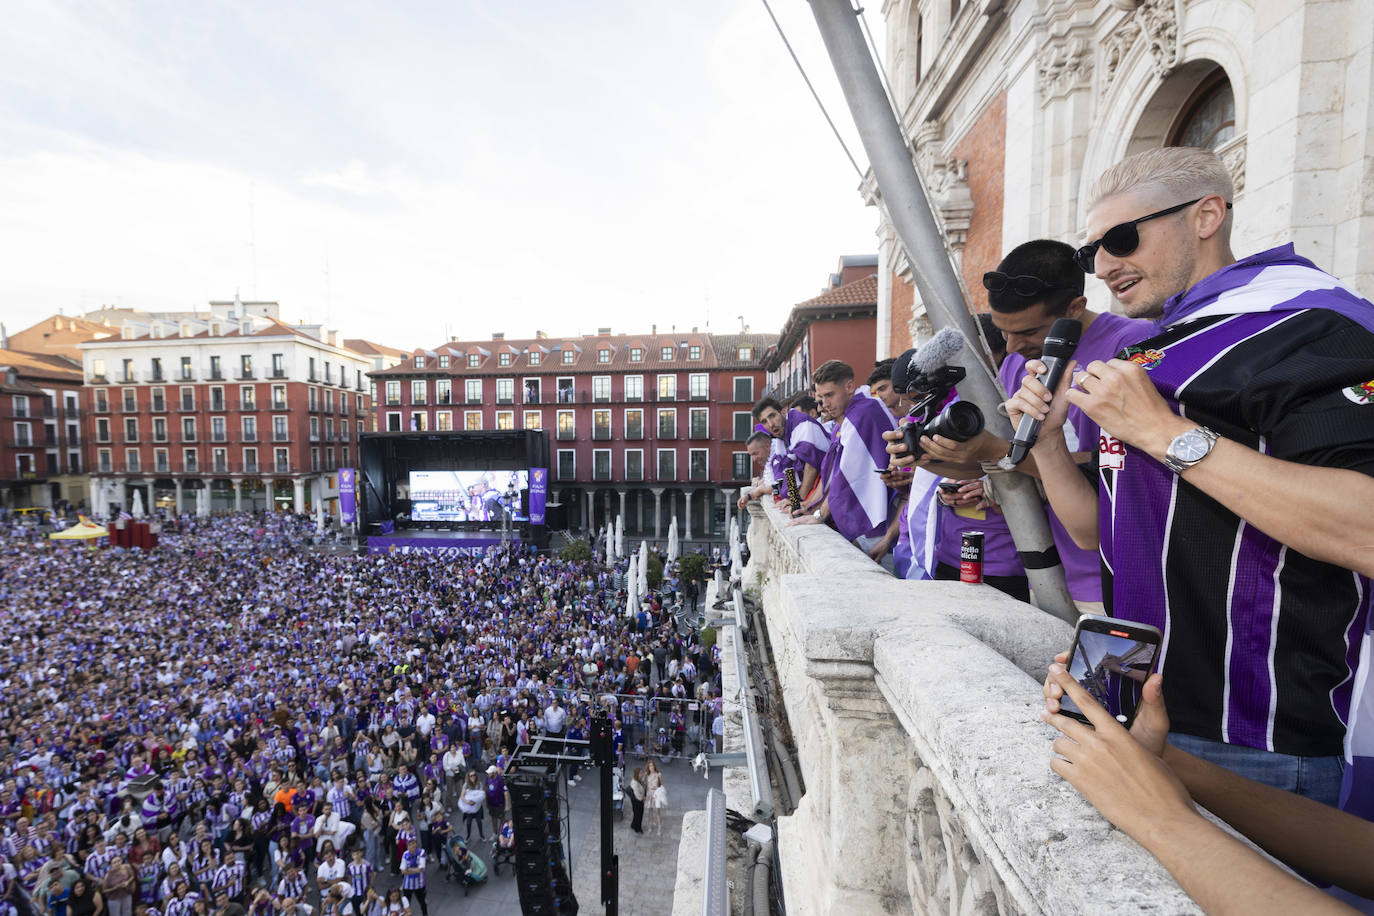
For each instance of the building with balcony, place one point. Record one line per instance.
(650, 426)
(260, 412)
(840, 323)
(41, 440)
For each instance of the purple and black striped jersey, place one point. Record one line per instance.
(1261, 644)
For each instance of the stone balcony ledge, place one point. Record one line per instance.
(914, 706)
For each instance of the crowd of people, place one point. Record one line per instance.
(238, 722)
(1208, 467)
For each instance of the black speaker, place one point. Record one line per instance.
(540, 878)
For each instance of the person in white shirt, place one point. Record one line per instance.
(555, 717)
(329, 826)
(454, 764)
(330, 871)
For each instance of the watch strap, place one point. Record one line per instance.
(1178, 465)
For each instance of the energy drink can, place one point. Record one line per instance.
(971, 557)
(793, 497)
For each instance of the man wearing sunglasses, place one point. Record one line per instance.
(1235, 468)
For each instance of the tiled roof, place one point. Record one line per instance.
(858, 298)
(857, 292)
(368, 348)
(728, 346)
(43, 366)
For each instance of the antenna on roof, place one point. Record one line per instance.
(742, 326)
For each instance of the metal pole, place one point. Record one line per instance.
(911, 217)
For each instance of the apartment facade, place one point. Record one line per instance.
(42, 457)
(236, 402)
(649, 426)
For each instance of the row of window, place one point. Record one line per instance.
(248, 399)
(159, 370)
(632, 422)
(219, 429)
(633, 464)
(24, 435)
(474, 392)
(26, 466)
(21, 406)
(327, 459)
(568, 356)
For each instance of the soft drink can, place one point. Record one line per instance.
(971, 557)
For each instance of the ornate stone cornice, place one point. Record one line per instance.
(1158, 21)
(1064, 64)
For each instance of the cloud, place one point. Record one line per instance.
(483, 168)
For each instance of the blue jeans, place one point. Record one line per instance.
(1317, 778)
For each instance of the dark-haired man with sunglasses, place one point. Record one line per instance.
(1037, 283)
(1236, 476)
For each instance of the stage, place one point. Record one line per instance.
(447, 543)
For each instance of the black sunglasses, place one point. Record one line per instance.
(995, 281)
(1123, 238)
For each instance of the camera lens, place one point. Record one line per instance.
(960, 422)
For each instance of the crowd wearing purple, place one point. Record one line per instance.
(236, 722)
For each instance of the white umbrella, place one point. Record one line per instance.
(673, 546)
(643, 567)
(319, 517)
(203, 502)
(631, 590)
(137, 510)
(620, 535)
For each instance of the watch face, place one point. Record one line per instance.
(1191, 446)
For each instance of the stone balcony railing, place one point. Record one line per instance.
(914, 707)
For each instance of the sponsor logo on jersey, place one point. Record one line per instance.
(1142, 356)
(1111, 452)
(1362, 393)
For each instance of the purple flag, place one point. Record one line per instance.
(807, 440)
(348, 495)
(539, 491)
(857, 497)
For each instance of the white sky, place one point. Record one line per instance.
(413, 170)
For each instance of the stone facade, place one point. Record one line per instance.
(914, 708)
(1084, 83)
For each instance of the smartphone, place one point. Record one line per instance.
(1111, 658)
(950, 486)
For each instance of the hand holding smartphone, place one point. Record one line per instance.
(1111, 659)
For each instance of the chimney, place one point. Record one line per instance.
(540, 335)
(498, 335)
(603, 332)
(694, 329)
(653, 329)
(4, 337)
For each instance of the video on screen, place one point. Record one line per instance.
(468, 496)
(1113, 669)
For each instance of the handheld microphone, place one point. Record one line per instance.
(1059, 347)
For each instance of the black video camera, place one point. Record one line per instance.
(960, 421)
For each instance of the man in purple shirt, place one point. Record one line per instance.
(1036, 284)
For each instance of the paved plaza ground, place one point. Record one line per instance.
(648, 862)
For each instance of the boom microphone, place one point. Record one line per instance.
(934, 354)
(1059, 347)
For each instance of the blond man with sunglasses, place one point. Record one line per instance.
(1234, 475)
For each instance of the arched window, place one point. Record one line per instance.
(1208, 118)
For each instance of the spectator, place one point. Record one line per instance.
(853, 498)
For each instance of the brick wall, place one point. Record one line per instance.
(903, 300)
(984, 147)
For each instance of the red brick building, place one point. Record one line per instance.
(41, 449)
(841, 323)
(646, 425)
(258, 412)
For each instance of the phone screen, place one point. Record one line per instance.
(1113, 667)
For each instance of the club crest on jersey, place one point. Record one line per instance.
(1111, 452)
(1142, 356)
(1362, 393)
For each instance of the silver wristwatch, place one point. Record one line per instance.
(1189, 448)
